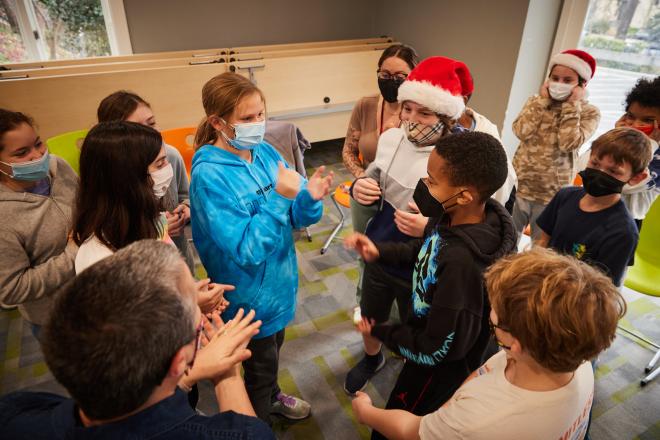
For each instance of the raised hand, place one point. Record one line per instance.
(410, 223)
(360, 403)
(210, 296)
(363, 245)
(319, 185)
(544, 90)
(577, 94)
(366, 191)
(288, 182)
(225, 348)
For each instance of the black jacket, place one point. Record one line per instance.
(448, 320)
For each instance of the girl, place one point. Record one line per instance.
(124, 173)
(126, 106)
(245, 202)
(37, 193)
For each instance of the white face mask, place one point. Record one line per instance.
(162, 179)
(560, 91)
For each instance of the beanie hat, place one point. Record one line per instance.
(439, 84)
(578, 60)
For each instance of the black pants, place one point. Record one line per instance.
(379, 291)
(261, 373)
(422, 390)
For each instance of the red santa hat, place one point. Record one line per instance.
(439, 84)
(578, 60)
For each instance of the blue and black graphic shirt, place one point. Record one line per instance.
(448, 319)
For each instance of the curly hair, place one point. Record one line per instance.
(645, 93)
(476, 159)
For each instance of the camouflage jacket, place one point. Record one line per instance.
(550, 134)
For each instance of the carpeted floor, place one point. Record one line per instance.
(321, 345)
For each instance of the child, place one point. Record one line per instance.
(551, 314)
(591, 222)
(37, 193)
(643, 114)
(245, 202)
(551, 127)
(446, 333)
(127, 106)
(432, 103)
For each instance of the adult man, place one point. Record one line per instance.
(121, 336)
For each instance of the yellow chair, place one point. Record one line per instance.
(182, 139)
(342, 197)
(67, 146)
(644, 276)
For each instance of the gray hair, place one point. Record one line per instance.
(115, 328)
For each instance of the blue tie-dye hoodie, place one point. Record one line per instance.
(242, 229)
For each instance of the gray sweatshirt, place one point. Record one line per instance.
(177, 194)
(36, 256)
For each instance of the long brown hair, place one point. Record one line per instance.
(220, 96)
(115, 200)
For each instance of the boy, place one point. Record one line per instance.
(551, 314)
(591, 222)
(446, 332)
(643, 114)
(551, 127)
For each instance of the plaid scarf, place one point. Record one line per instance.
(421, 134)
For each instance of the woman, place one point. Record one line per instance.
(245, 202)
(37, 193)
(126, 106)
(373, 115)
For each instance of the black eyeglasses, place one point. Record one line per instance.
(198, 340)
(493, 326)
(387, 75)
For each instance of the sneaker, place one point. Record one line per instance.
(358, 377)
(290, 407)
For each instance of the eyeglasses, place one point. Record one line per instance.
(198, 340)
(400, 76)
(493, 326)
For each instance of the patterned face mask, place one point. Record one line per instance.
(423, 135)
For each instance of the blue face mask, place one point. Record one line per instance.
(29, 171)
(246, 136)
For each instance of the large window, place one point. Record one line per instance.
(55, 29)
(624, 37)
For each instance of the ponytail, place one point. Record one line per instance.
(220, 96)
(205, 134)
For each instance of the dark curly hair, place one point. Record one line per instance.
(645, 93)
(476, 159)
(10, 120)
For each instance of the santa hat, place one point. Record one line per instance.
(439, 84)
(578, 60)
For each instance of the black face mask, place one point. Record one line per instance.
(427, 204)
(597, 183)
(389, 88)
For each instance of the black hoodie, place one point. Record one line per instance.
(448, 322)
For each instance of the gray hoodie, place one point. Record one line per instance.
(36, 257)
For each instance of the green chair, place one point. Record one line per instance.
(644, 276)
(67, 146)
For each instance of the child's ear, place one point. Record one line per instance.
(465, 198)
(639, 177)
(215, 122)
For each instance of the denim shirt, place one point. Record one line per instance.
(48, 416)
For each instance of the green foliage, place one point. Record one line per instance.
(613, 44)
(653, 27)
(599, 27)
(75, 27)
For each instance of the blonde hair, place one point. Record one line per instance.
(562, 311)
(625, 145)
(220, 96)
